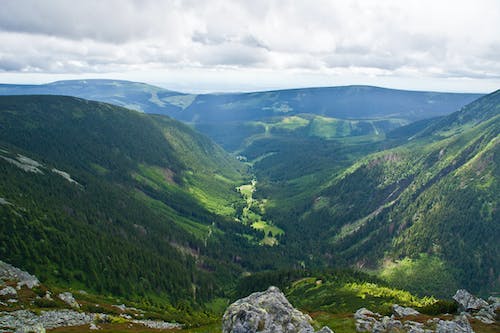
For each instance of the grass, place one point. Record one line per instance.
(266, 227)
(291, 123)
(339, 323)
(252, 215)
(337, 295)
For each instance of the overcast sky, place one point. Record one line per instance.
(255, 45)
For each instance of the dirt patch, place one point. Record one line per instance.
(169, 176)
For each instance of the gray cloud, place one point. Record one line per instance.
(390, 37)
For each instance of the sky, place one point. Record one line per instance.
(237, 45)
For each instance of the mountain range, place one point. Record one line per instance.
(97, 196)
(234, 120)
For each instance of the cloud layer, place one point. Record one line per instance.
(413, 38)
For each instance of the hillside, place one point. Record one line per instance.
(132, 95)
(236, 120)
(429, 205)
(101, 198)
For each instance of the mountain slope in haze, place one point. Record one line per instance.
(133, 95)
(432, 199)
(107, 199)
(234, 120)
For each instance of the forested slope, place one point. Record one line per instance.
(107, 199)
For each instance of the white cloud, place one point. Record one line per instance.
(413, 38)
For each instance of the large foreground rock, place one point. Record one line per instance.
(266, 312)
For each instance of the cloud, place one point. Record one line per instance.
(390, 37)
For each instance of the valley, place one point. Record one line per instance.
(340, 211)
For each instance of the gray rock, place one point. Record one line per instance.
(401, 311)
(484, 320)
(8, 291)
(363, 313)
(487, 313)
(459, 325)
(159, 325)
(365, 325)
(493, 299)
(325, 329)
(16, 320)
(468, 302)
(9, 272)
(68, 298)
(413, 327)
(93, 326)
(38, 328)
(48, 296)
(366, 320)
(267, 312)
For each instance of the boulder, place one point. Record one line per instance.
(469, 302)
(68, 298)
(363, 313)
(8, 291)
(459, 325)
(267, 312)
(486, 315)
(401, 311)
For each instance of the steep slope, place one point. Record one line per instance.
(99, 197)
(235, 120)
(436, 194)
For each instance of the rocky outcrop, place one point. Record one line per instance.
(401, 311)
(31, 329)
(477, 307)
(8, 291)
(23, 319)
(11, 273)
(69, 299)
(159, 325)
(367, 321)
(469, 302)
(459, 325)
(267, 312)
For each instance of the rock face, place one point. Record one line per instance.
(9, 272)
(266, 312)
(468, 302)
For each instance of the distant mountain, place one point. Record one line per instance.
(133, 95)
(432, 198)
(111, 200)
(233, 120)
